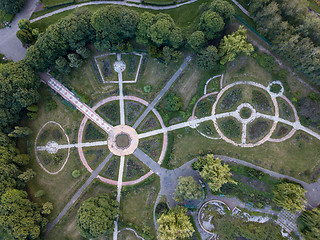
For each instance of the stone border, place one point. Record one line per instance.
(35, 148)
(126, 81)
(80, 136)
(203, 205)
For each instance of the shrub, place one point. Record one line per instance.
(76, 173)
(39, 194)
(275, 88)
(173, 102)
(147, 88)
(267, 62)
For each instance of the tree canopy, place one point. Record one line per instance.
(187, 189)
(114, 24)
(309, 224)
(96, 216)
(213, 172)
(175, 224)
(208, 58)
(11, 6)
(20, 217)
(211, 23)
(234, 44)
(290, 196)
(18, 90)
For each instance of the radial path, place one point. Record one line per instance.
(162, 92)
(70, 97)
(79, 192)
(75, 145)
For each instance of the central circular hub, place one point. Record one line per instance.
(123, 140)
(245, 113)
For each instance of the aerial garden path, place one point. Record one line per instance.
(169, 178)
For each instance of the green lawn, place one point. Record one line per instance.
(314, 6)
(53, 3)
(5, 17)
(297, 157)
(66, 228)
(137, 205)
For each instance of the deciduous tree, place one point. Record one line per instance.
(224, 9)
(290, 196)
(215, 173)
(234, 44)
(187, 189)
(20, 217)
(175, 225)
(310, 224)
(11, 6)
(96, 216)
(197, 41)
(208, 58)
(211, 23)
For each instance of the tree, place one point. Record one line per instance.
(175, 225)
(114, 24)
(176, 38)
(215, 173)
(24, 24)
(309, 224)
(169, 54)
(187, 189)
(11, 6)
(211, 23)
(146, 20)
(173, 102)
(20, 217)
(47, 208)
(290, 196)
(83, 52)
(62, 65)
(208, 58)
(224, 9)
(25, 36)
(234, 44)
(197, 41)
(21, 159)
(75, 60)
(20, 132)
(96, 216)
(27, 175)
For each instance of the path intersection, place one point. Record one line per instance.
(168, 178)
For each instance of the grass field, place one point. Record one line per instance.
(137, 205)
(66, 228)
(286, 157)
(132, 63)
(53, 3)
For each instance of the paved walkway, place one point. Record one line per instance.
(162, 92)
(10, 45)
(75, 145)
(70, 97)
(75, 197)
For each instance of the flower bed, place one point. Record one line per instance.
(231, 99)
(133, 110)
(261, 102)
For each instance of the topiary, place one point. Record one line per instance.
(147, 88)
(76, 173)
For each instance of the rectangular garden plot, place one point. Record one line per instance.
(133, 62)
(105, 67)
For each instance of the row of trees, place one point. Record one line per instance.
(19, 217)
(11, 6)
(293, 32)
(113, 26)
